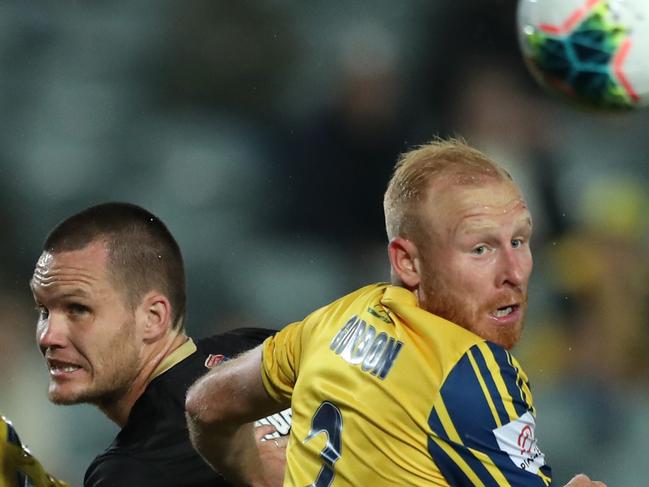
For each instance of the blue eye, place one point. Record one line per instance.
(479, 250)
(517, 243)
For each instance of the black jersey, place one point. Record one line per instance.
(153, 448)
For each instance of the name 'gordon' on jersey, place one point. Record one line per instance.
(359, 344)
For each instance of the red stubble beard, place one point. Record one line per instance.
(439, 298)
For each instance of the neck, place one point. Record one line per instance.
(119, 409)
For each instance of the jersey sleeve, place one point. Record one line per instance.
(17, 466)
(280, 362)
(483, 423)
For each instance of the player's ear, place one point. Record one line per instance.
(155, 311)
(404, 260)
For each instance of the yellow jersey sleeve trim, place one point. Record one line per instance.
(493, 470)
(546, 480)
(508, 400)
(447, 423)
(485, 391)
(522, 381)
(459, 461)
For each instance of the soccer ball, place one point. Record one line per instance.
(594, 53)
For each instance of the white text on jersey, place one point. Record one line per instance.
(359, 344)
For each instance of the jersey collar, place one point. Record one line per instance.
(181, 353)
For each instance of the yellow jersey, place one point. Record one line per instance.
(384, 393)
(18, 467)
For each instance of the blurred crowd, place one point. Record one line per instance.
(264, 132)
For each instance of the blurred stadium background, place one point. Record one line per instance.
(263, 133)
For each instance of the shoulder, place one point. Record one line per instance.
(359, 302)
(117, 470)
(488, 378)
(233, 342)
(483, 421)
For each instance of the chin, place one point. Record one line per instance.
(507, 344)
(62, 399)
(507, 338)
(66, 397)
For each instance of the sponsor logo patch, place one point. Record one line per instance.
(214, 360)
(517, 439)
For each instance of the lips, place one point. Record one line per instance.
(506, 313)
(60, 368)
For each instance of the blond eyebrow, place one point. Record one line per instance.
(527, 221)
(468, 227)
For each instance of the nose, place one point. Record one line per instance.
(51, 332)
(515, 267)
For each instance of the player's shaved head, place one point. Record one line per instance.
(142, 253)
(438, 165)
